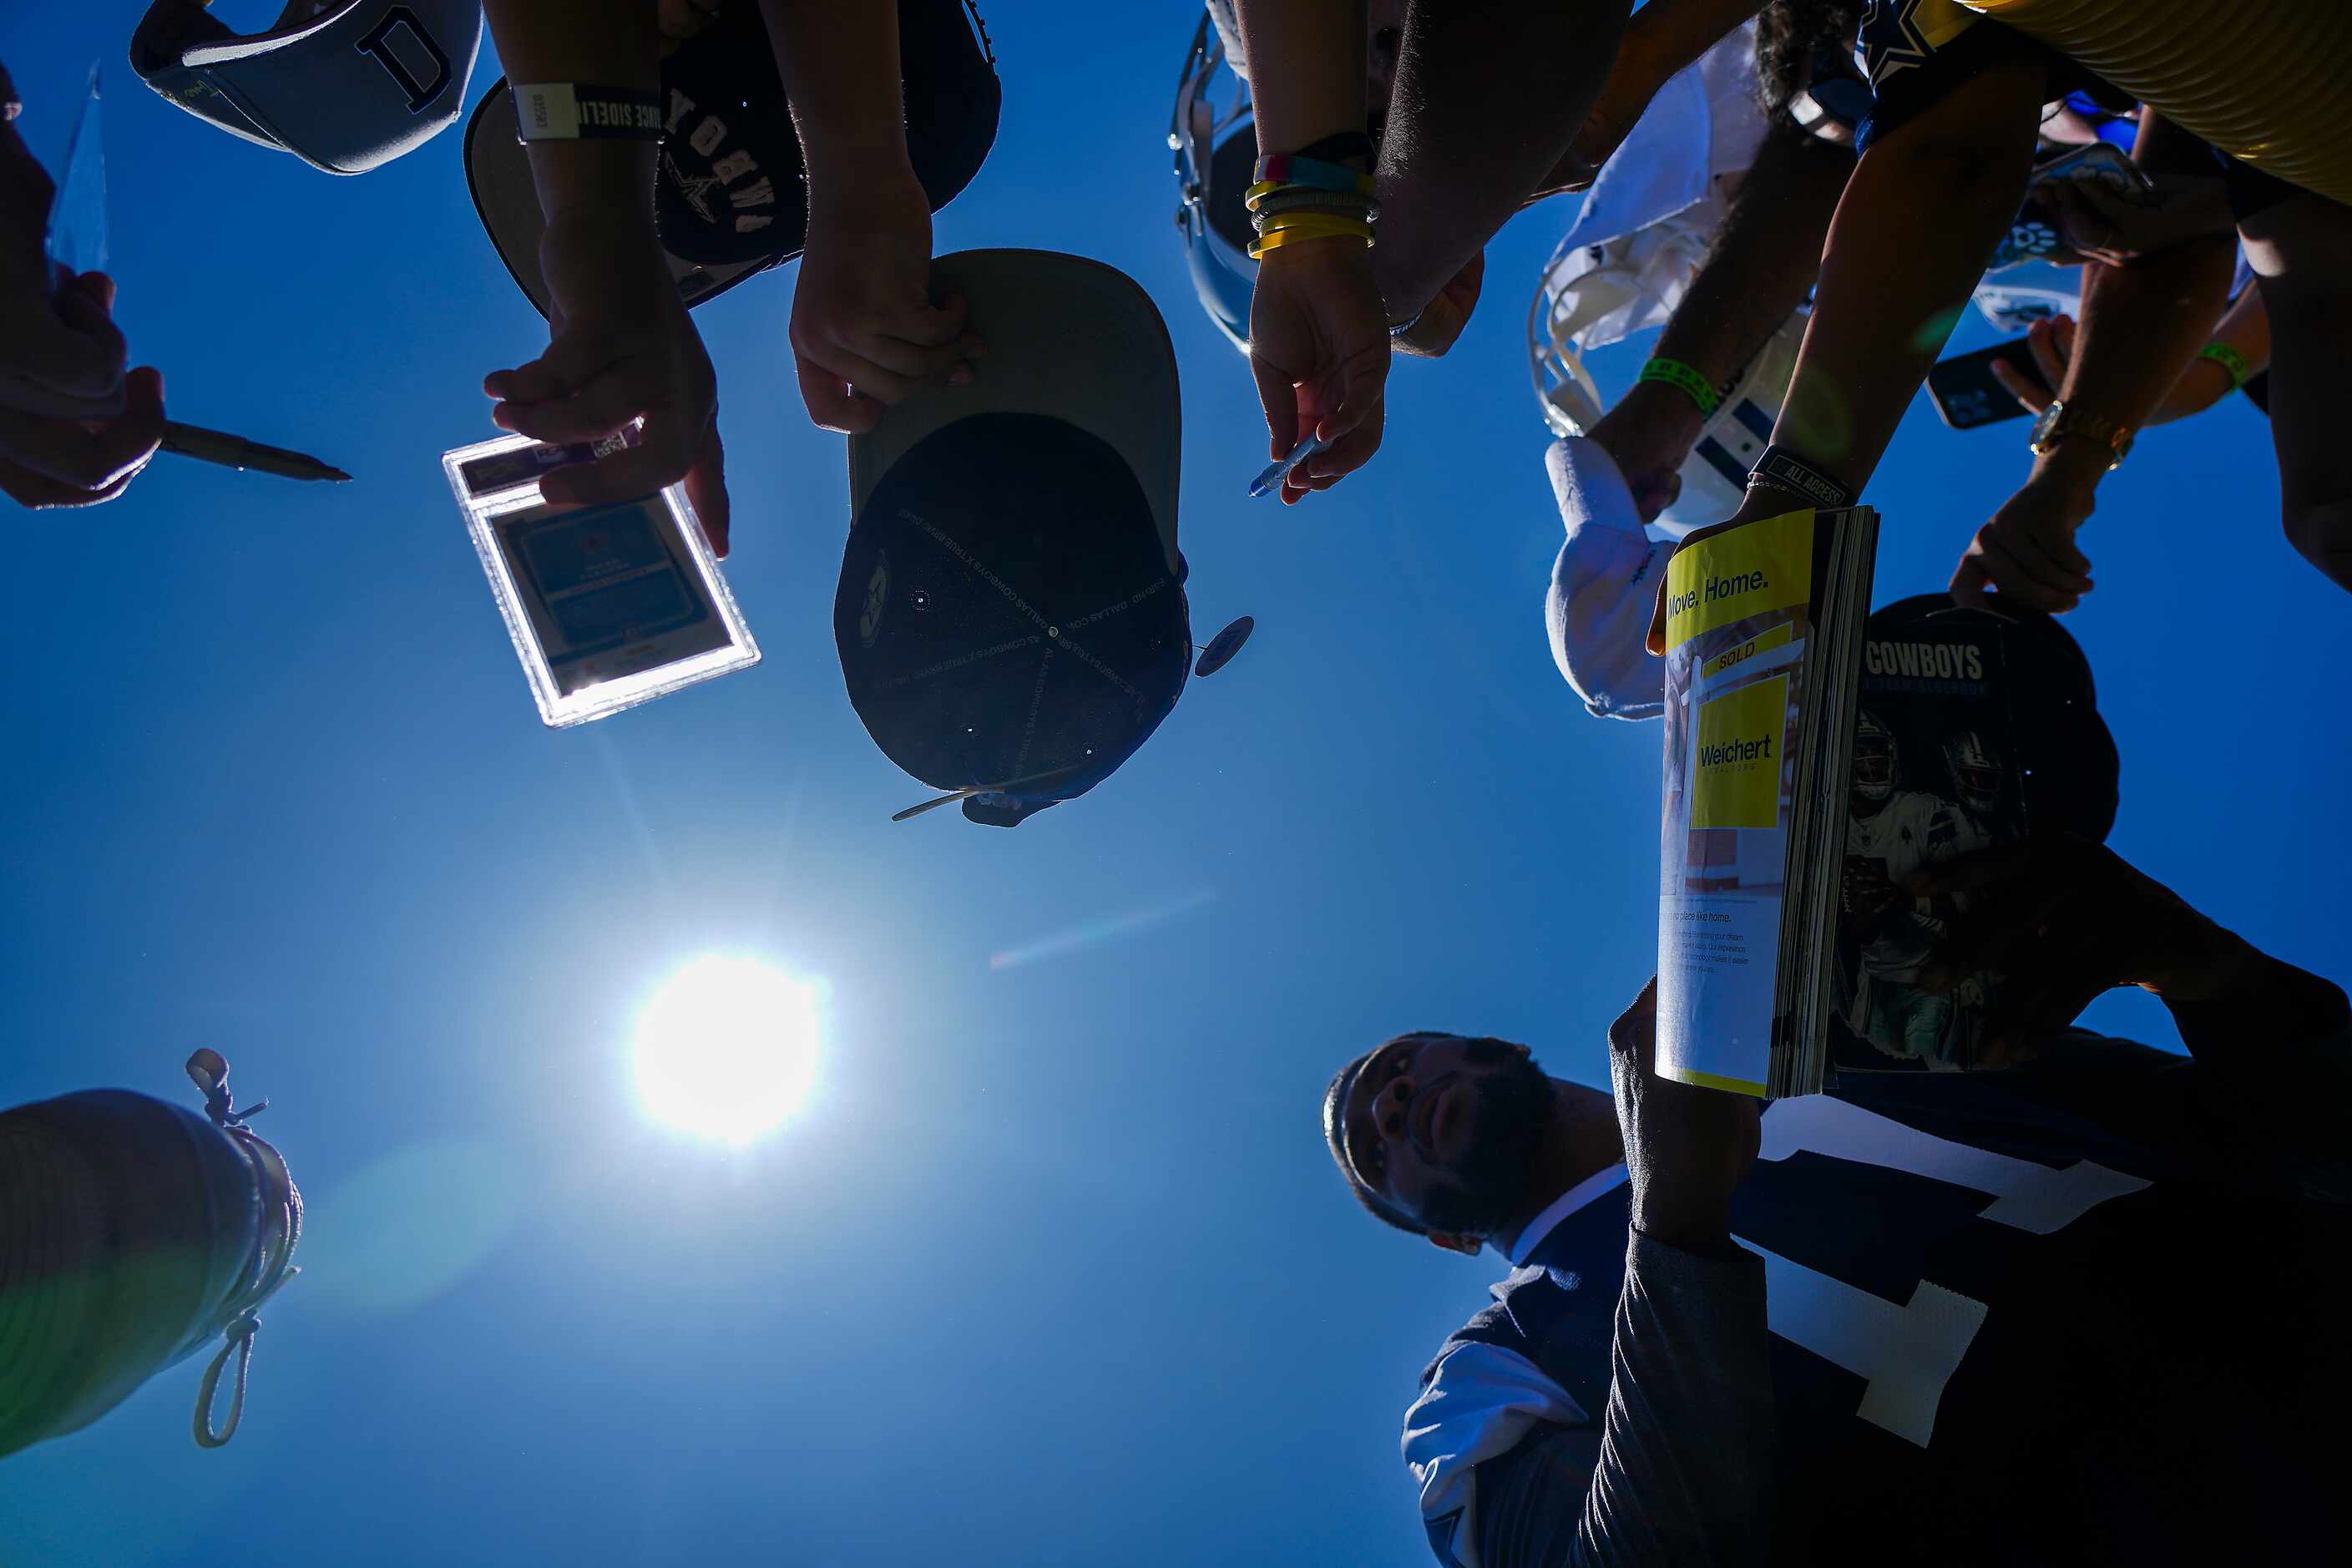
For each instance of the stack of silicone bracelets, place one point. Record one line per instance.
(1293, 198)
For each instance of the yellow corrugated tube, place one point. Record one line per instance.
(2268, 81)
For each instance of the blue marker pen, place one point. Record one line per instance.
(1268, 482)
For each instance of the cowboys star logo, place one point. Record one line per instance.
(1897, 35)
(695, 188)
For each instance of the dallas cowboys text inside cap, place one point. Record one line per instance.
(1011, 616)
(342, 85)
(732, 197)
(2067, 756)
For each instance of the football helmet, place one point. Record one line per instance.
(1214, 134)
(1875, 761)
(1976, 772)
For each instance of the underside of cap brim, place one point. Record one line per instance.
(346, 90)
(497, 173)
(1066, 337)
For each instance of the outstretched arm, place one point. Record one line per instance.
(2142, 323)
(2064, 921)
(620, 345)
(1762, 266)
(865, 333)
(1913, 230)
(1318, 333)
(1680, 1470)
(1488, 94)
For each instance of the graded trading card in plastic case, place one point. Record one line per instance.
(609, 605)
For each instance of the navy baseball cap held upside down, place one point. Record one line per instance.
(1011, 614)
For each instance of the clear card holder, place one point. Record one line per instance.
(609, 605)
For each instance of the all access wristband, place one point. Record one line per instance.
(1781, 466)
(576, 111)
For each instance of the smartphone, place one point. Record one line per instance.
(2033, 236)
(2101, 163)
(1967, 396)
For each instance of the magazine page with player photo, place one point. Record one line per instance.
(1934, 775)
(1761, 620)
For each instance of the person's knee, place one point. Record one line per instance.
(2321, 533)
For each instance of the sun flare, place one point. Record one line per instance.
(727, 1048)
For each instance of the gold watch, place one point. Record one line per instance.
(2058, 421)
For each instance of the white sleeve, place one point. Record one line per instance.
(1481, 1402)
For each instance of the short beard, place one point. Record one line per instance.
(1514, 1110)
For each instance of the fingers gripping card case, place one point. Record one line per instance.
(610, 604)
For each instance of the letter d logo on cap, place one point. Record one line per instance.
(376, 45)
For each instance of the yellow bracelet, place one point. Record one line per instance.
(1342, 222)
(1310, 215)
(1282, 236)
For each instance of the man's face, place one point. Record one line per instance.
(1443, 1128)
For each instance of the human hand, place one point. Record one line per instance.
(1440, 321)
(865, 332)
(2027, 549)
(1687, 1149)
(1650, 433)
(620, 348)
(81, 462)
(2099, 225)
(2050, 341)
(1320, 352)
(60, 355)
(2061, 921)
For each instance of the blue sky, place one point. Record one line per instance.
(1052, 1268)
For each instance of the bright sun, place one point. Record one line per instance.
(727, 1048)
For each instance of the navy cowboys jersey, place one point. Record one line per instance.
(1899, 34)
(2001, 1330)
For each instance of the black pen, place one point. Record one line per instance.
(236, 452)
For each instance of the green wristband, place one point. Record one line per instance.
(2228, 359)
(1675, 373)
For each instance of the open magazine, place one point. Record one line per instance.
(1764, 648)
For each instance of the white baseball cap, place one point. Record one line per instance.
(1603, 586)
(343, 87)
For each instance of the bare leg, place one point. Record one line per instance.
(2302, 251)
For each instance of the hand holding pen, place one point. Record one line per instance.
(74, 429)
